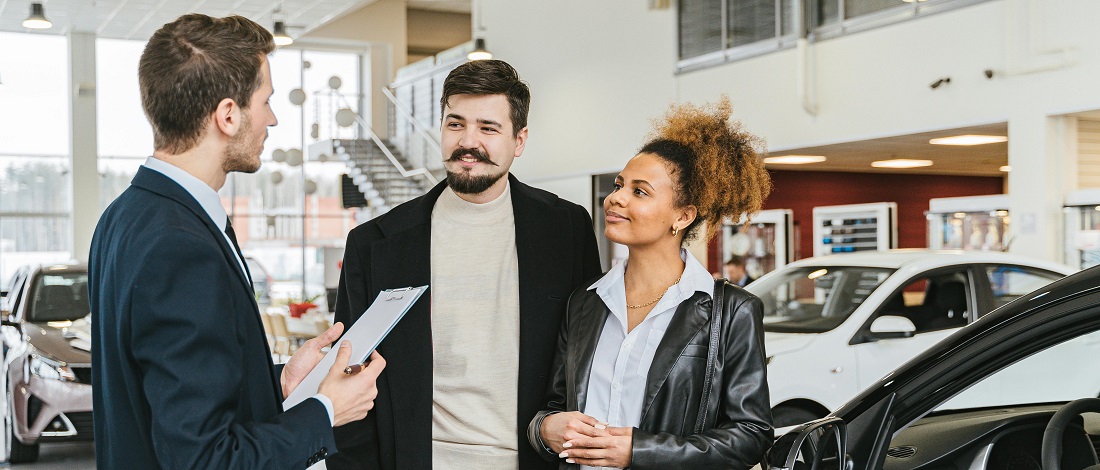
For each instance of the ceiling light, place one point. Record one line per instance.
(1006, 168)
(281, 37)
(37, 18)
(901, 163)
(479, 52)
(969, 139)
(794, 159)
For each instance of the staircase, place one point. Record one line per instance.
(380, 181)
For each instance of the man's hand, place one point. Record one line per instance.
(307, 358)
(612, 451)
(561, 427)
(352, 395)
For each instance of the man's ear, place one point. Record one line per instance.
(521, 141)
(227, 117)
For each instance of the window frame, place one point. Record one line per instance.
(840, 27)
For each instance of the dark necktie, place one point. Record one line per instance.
(233, 238)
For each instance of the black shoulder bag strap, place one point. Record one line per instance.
(712, 353)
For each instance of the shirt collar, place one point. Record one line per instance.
(696, 278)
(203, 193)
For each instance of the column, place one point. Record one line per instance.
(82, 129)
(1040, 154)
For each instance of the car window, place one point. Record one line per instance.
(933, 302)
(16, 293)
(1066, 371)
(57, 297)
(815, 299)
(1010, 282)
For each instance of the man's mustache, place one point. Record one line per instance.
(476, 153)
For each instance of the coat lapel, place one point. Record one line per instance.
(691, 316)
(588, 327)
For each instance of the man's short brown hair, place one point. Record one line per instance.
(192, 64)
(490, 77)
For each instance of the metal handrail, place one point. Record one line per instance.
(386, 151)
(420, 129)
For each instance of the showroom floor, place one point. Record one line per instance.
(64, 456)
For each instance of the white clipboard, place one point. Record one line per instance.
(365, 335)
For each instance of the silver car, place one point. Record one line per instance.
(47, 380)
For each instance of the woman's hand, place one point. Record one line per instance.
(613, 450)
(558, 428)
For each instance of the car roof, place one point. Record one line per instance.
(924, 258)
(59, 268)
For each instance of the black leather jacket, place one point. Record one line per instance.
(739, 428)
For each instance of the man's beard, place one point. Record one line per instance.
(240, 156)
(465, 183)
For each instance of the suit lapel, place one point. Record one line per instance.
(690, 317)
(154, 181)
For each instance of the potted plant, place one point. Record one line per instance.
(297, 309)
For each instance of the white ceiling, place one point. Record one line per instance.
(138, 19)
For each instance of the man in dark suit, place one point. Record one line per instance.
(468, 364)
(735, 271)
(183, 375)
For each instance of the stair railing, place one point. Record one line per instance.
(386, 151)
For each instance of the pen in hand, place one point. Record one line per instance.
(354, 368)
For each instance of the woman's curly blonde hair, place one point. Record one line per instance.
(717, 165)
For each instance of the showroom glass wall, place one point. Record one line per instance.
(281, 227)
(35, 181)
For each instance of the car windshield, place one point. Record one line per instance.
(59, 297)
(1063, 372)
(815, 299)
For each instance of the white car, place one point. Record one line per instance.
(835, 325)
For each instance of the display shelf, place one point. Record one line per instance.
(978, 223)
(766, 243)
(855, 227)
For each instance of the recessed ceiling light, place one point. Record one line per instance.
(969, 139)
(795, 159)
(1006, 168)
(901, 163)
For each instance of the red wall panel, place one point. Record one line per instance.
(801, 191)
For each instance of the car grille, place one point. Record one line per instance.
(34, 406)
(901, 452)
(83, 374)
(82, 421)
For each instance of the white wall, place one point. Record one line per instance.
(599, 71)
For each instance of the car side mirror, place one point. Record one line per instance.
(892, 327)
(816, 445)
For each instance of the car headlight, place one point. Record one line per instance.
(49, 368)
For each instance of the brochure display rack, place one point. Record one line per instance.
(855, 227)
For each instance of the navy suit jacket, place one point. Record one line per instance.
(556, 251)
(182, 372)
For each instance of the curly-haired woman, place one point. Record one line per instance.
(643, 377)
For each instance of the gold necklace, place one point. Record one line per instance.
(651, 302)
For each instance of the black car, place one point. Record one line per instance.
(1006, 392)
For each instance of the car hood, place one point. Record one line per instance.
(782, 343)
(70, 344)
